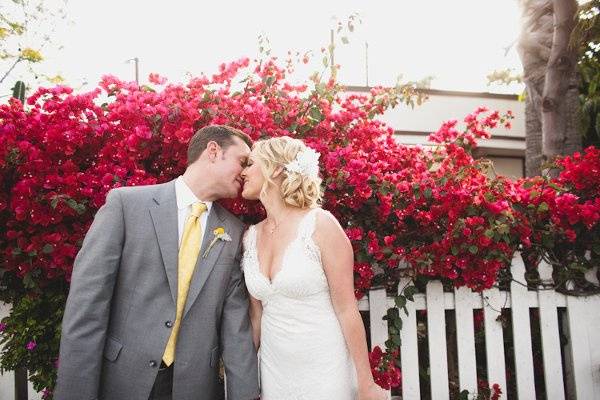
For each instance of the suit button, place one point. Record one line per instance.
(152, 364)
(169, 324)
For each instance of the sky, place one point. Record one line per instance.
(458, 42)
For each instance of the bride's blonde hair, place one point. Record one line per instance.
(298, 190)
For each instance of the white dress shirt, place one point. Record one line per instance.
(185, 198)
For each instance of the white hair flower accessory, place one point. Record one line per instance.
(306, 163)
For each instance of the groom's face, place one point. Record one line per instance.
(228, 168)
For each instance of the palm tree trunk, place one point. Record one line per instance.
(550, 74)
(559, 98)
(533, 129)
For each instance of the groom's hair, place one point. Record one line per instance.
(222, 134)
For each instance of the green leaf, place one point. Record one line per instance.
(503, 229)
(292, 127)
(427, 193)
(473, 249)
(593, 85)
(528, 184)
(345, 40)
(48, 248)
(28, 281)
(79, 208)
(400, 301)
(454, 250)
(547, 241)
(409, 292)
(542, 207)
(554, 186)
(315, 114)
(489, 233)
(398, 324)
(396, 339)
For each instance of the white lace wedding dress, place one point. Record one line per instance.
(303, 353)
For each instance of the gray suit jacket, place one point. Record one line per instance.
(121, 306)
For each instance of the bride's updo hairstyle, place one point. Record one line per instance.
(301, 186)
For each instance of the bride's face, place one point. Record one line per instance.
(253, 180)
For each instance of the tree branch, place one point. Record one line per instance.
(18, 60)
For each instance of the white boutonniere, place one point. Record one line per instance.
(220, 234)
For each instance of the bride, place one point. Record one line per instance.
(298, 266)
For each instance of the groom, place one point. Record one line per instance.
(157, 295)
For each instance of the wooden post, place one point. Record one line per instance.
(21, 384)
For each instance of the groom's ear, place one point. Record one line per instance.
(212, 151)
(278, 171)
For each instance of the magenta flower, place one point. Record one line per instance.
(31, 345)
(46, 393)
(2, 327)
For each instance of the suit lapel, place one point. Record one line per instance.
(204, 266)
(164, 218)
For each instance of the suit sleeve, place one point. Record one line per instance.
(87, 310)
(239, 354)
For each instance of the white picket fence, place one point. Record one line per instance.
(582, 354)
(7, 380)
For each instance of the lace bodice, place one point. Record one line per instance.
(301, 272)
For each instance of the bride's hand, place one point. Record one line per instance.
(372, 392)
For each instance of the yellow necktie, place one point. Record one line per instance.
(188, 255)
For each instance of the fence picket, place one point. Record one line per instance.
(409, 355)
(521, 331)
(494, 338)
(582, 353)
(7, 379)
(553, 375)
(465, 340)
(579, 346)
(379, 327)
(436, 334)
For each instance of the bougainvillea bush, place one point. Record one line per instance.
(434, 212)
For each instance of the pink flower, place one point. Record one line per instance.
(354, 233)
(31, 345)
(157, 79)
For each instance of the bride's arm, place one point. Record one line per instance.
(255, 316)
(338, 262)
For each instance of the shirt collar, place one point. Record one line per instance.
(185, 197)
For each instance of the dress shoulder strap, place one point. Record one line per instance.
(307, 225)
(249, 239)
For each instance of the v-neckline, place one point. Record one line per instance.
(271, 280)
